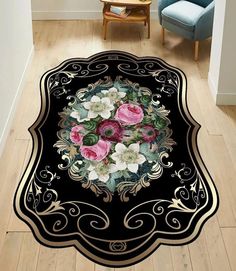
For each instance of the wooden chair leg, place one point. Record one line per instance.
(162, 35)
(149, 28)
(105, 29)
(196, 50)
(148, 21)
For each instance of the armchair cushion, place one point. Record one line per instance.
(161, 4)
(186, 20)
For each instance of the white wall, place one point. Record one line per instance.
(16, 46)
(70, 9)
(222, 79)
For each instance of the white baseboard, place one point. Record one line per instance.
(225, 98)
(73, 15)
(212, 86)
(66, 15)
(12, 110)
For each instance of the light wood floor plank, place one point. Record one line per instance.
(66, 259)
(47, 259)
(29, 253)
(83, 264)
(147, 264)
(203, 64)
(229, 236)
(181, 258)
(162, 259)
(215, 246)
(15, 224)
(99, 44)
(207, 106)
(129, 268)
(214, 153)
(28, 111)
(10, 253)
(9, 175)
(199, 254)
(220, 160)
(99, 267)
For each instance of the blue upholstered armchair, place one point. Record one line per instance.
(191, 19)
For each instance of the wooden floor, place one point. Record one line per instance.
(56, 41)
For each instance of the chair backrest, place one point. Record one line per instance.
(203, 3)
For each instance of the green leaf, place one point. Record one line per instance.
(146, 151)
(82, 111)
(111, 184)
(65, 134)
(90, 139)
(132, 95)
(160, 123)
(145, 100)
(146, 120)
(116, 175)
(119, 87)
(125, 174)
(90, 125)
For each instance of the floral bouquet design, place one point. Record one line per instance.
(113, 138)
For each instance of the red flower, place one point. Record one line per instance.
(110, 130)
(149, 133)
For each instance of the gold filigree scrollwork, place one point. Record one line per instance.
(117, 246)
(168, 79)
(187, 199)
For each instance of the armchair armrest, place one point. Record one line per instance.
(161, 4)
(204, 25)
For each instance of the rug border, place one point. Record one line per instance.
(158, 242)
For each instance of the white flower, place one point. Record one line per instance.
(128, 157)
(113, 94)
(75, 115)
(99, 106)
(101, 171)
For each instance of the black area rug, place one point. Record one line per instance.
(115, 169)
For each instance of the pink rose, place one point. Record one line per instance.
(129, 114)
(96, 152)
(75, 135)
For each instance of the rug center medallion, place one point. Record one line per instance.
(113, 137)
